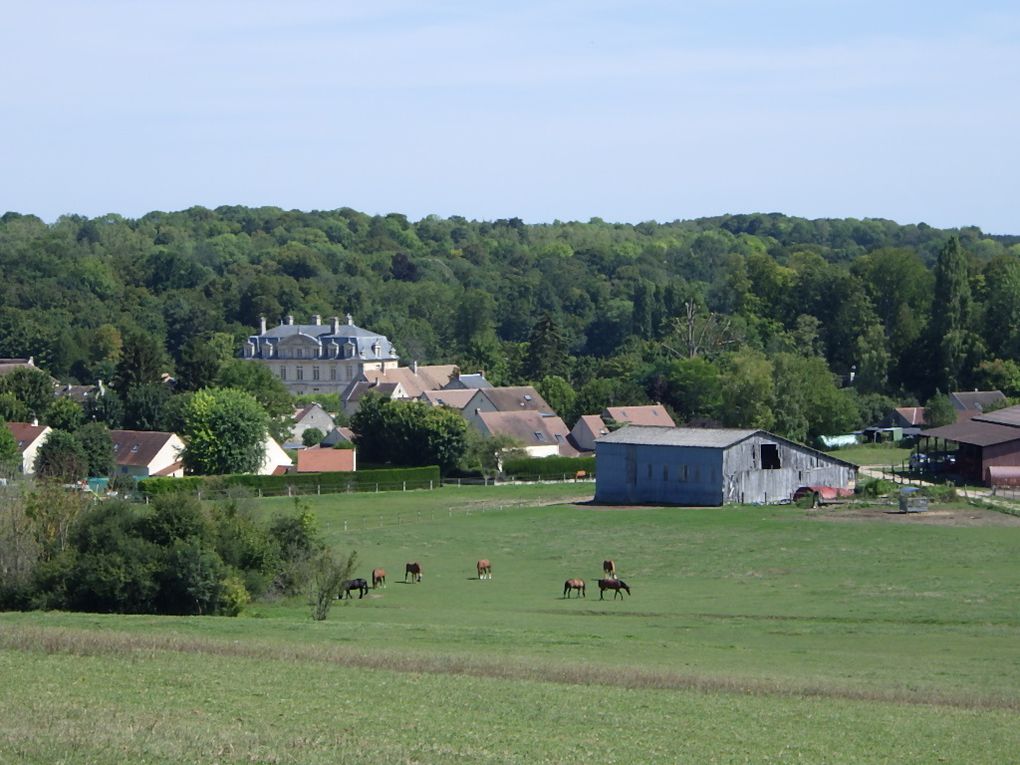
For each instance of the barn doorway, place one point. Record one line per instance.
(770, 457)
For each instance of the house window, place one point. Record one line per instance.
(299, 353)
(332, 373)
(539, 436)
(770, 457)
(283, 373)
(315, 373)
(301, 373)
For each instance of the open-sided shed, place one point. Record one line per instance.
(708, 467)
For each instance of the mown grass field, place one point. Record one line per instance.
(875, 454)
(752, 635)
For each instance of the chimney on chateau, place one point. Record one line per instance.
(414, 366)
(262, 325)
(336, 325)
(290, 320)
(316, 320)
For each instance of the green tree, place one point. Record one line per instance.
(939, 411)
(94, 438)
(693, 388)
(547, 350)
(257, 380)
(199, 364)
(143, 406)
(948, 335)
(12, 410)
(225, 431)
(312, 437)
(409, 433)
(107, 408)
(61, 458)
(65, 414)
(747, 392)
(559, 394)
(10, 456)
(142, 361)
(32, 387)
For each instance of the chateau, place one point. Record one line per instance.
(317, 357)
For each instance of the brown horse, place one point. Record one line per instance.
(378, 577)
(414, 569)
(609, 567)
(484, 569)
(574, 584)
(616, 585)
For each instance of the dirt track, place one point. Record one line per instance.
(936, 516)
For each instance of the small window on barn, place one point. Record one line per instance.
(665, 472)
(770, 457)
(681, 473)
(649, 469)
(697, 474)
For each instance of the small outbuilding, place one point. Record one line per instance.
(709, 467)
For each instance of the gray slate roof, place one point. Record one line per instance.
(714, 438)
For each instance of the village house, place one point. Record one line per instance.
(147, 453)
(521, 398)
(309, 416)
(317, 357)
(646, 414)
(30, 436)
(536, 433)
(709, 467)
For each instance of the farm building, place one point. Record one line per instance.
(708, 467)
(984, 441)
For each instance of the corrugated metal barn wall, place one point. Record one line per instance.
(750, 476)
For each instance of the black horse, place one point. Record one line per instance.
(413, 570)
(616, 585)
(350, 585)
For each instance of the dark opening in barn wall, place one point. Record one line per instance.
(770, 457)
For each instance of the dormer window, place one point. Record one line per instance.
(134, 449)
(539, 436)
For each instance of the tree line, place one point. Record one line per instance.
(800, 326)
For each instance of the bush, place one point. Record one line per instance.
(939, 493)
(876, 487)
(385, 479)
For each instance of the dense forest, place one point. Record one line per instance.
(800, 326)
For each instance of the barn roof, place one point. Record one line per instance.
(714, 438)
(710, 438)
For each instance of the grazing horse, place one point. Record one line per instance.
(616, 585)
(349, 586)
(574, 584)
(484, 569)
(378, 577)
(609, 567)
(414, 569)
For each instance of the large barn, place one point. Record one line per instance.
(708, 467)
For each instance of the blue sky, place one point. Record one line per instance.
(628, 111)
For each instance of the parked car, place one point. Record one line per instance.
(920, 461)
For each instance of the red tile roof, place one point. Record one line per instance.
(25, 433)
(319, 460)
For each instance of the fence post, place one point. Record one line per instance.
(318, 489)
(430, 484)
(405, 486)
(377, 488)
(260, 492)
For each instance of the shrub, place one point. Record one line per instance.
(876, 487)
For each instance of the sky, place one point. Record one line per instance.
(628, 111)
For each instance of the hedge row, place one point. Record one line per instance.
(303, 483)
(549, 467)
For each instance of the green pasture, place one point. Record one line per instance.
(753, 634)
(874, 454)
